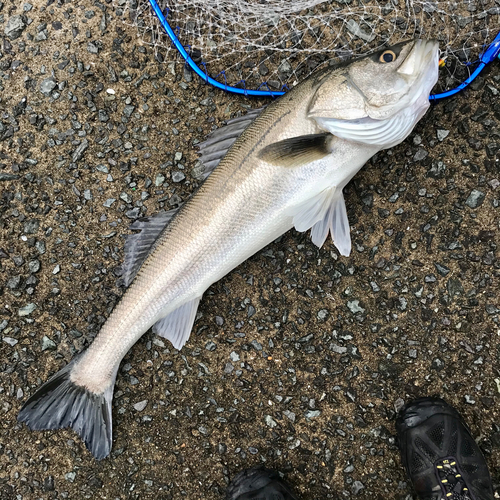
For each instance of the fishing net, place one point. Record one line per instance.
(274, 43)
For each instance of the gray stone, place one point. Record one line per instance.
(70, 476)
(475, 199)
(47, 344)
(14, 27)
(14, 282)
(78, 154)
(92, 48)
(312, 413)
(128, 110)
(441, 269)
(454, 287)
(125, 197)
(322, 314)
(357, 486)
(103, 116)
(40, 246)
(34, 265)
(178, 176)
(48, 85)
(26, 310)
(354, 307)
(442, 134)
(109, 202)
(31, 226)
(8, 177)
(256, 345)
(134, 213)
(270, 422)
(420, 154)
(285, 67)
(141, 405)
(210, 346)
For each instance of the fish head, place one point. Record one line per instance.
(379, 98)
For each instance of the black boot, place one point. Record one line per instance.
(259, 484)
(439, 454)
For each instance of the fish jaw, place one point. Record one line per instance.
(419, 71)
(378, 127)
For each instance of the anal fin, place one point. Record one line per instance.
(177, 326)
(323, 214)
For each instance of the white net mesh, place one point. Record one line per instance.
(281, 41)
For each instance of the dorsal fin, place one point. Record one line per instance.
(218, 142)
(139, 245)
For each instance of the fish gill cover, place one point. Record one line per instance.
(277, 43)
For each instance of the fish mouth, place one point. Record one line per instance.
(387, 126)
(422, 62)
(419, 70)
(423, 53)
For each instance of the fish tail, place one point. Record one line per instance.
(61, 403)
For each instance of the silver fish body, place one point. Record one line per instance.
(286, 169)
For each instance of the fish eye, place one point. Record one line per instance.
(387, 56)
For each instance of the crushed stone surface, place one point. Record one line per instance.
(299, 357)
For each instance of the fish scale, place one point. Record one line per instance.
(286, 168)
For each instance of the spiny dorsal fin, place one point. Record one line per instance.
(218, 142)
(298, 151)
(139, 245)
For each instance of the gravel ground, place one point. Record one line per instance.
(299, 357)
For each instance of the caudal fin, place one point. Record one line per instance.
(61, 403)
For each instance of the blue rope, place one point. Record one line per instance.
(203, 74)
(492, 52)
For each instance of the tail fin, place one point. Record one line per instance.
(61, 403)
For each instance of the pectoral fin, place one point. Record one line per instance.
(177, 326)
(325, 213)
(298, 151)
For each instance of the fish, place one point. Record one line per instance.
(274, 169)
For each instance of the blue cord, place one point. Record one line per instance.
(492, 52)
(203, 74)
